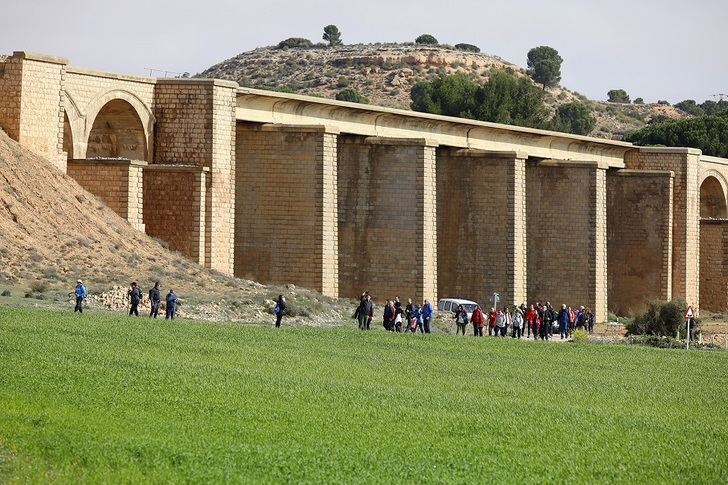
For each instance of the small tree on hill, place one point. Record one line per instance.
(293, 42)
(351, 95)
(544, 65)
(467, 47)
(332, 35)
(639, 101)
(574, 118)
(426, 39)
(618, 96)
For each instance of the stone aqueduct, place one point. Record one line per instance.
(340, 197)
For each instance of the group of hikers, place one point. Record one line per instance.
(134, 297)
(396, 318)
(540, 320)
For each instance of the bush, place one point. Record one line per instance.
(639, 101)
(38, 286)
(574, 118)
(342, 82)
(662, 319)
(663, 102)
(294, 42)
(618, 96)
(426, 39)
(5, 293)
(352, 96)
(467, 47)
(708, 133)
(580, 336)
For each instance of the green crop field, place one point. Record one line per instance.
(106, 398)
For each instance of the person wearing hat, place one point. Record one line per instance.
(80, 293)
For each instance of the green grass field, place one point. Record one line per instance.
(105, 398)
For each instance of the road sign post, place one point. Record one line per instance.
(689, 315)
(495, 298)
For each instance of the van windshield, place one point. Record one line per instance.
(469, 307)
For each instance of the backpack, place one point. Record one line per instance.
(277, 309)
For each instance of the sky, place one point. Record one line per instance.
(671, 50)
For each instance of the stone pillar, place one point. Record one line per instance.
(387, 218)
(286, 227)
(567, 239)
(117, 182)
(714, 264)
(196, 126)
(639, 238)
(30, 103)
(684, 162)
(481, 225)
(175, 207)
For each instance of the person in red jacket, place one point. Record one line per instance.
(491, 320)
(532, 321)
(477, 319)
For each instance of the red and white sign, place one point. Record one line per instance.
(690, 313)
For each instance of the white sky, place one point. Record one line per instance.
(667, 49)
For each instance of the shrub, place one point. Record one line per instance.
(38, 286)
(663, 102)
(351, 95)
(580, 336)
(294, 42)
(342, 82)
(708, 133)
(618, 96)
(662, 319)
(639, 101)
(5, 293)
(574, 118)
(467, 47)
(426, 39)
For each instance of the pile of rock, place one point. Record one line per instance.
(116, 299)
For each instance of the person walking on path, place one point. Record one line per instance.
(426, 315)
(564, 322)
(492, 317)
(517, 324)
(572, 321)
(544, 317)
(154, 300)
(500, 324)
(477, 318)
(420, 320)
(279, 310)
(362, 313)
(170, 306)
(461, 320)
(388, 316)
(80, 293)
(589, 320)
(531, 321)
(135, 296)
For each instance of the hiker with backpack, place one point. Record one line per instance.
(279, 309)
(154, 300)
(80, 293)
(461, 320)
(135, 296)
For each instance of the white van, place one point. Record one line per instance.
(451, 305)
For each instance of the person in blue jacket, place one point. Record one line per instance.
(171, 305)
(564, 322)
(80, 293)
(426, 315)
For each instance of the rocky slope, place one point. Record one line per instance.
(385, 73)
(53, 232)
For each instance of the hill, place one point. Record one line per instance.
(100, 398)
(54, 232)
(385, 73)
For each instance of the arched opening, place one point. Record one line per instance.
(67, 137)
(712, 200)
(117, 132)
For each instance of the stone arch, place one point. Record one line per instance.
(68, 137)
(76, 127)
(713, 201)
(119, 124)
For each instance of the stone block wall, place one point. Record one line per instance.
(714, 264)
(11, 74)
(481, 221)
(119, 183)
(174, 198)
(196, 125)
(387, 218)
(285, 226)
(684, 162)
(639, 238)
(566, 234)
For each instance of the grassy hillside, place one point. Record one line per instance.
(102, 398)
